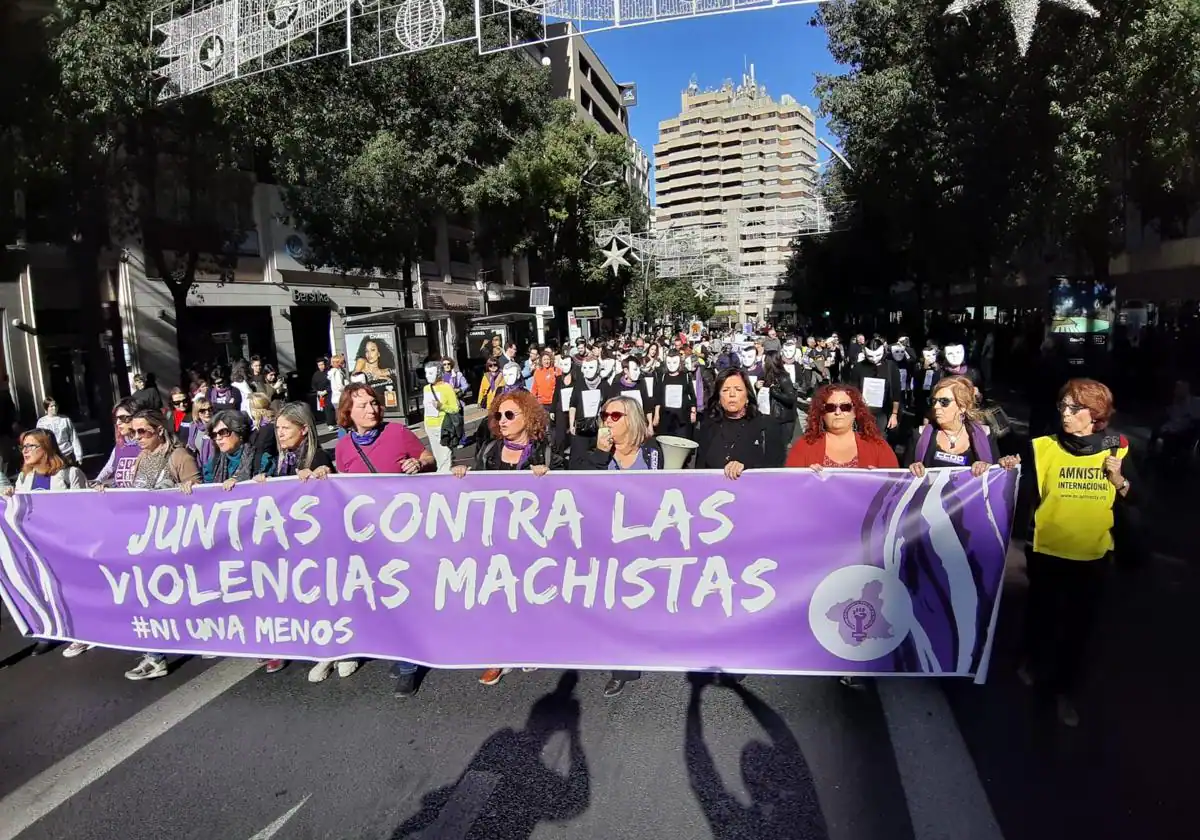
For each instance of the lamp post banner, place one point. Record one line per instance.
(781, 571)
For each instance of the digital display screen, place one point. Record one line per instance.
(1082, 307)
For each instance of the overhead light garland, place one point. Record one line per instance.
(1024, 15)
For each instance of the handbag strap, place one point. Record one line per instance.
(363, 455)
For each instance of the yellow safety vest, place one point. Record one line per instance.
(1075, 517)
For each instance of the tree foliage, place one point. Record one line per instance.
(670, 299)
(971, 162)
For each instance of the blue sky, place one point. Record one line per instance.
(662, 57)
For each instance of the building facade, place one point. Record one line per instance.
(578, 74)
(737, 158)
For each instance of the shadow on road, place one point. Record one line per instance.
(783, 796)
(507, 789)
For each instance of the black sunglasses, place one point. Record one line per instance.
(220, 434)
(944, 402)
(844, 408)
(505, 415)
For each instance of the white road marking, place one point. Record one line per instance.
(459, 813)
(54, 786)
(946, 799)
(273, 829)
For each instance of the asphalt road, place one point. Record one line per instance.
(219, 749)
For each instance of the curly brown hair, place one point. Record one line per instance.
(867, 427)
(537, 421)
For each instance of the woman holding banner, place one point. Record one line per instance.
(957, 437)
(841, 433)
(119, 469)
(376, 447)
(520, 441)
(301, 456)
(235, 458)
(733, 436)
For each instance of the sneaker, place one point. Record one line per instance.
(208, 656)
(614, 687)
(346, 667)
(528, 670)
(151, 667)
(492, 676)
(75, 648)
(1067, 714)
(274, 666)
(320, 671)
(406, 685)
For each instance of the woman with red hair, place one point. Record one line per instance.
(841, 433)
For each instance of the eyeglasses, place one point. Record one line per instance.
(447, 365)
(834, 408)
(124, 418)
(506, 415)
(1071, 408)
(612, 415)
(29, 447)
(144, 433)
(204, 411)
(220, 434)
(944, 402)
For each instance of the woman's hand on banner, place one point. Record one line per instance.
(410, 466)
(261, 478)
(917, 469)
(1010, 461)
(979, 468)
(186, 487)
(458, 471)
(539, 470)
(228, 484)
(7, 492)
(734, 469)
(319, 473)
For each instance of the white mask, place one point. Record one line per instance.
(590, 368)
(673, 364)
(634, 372)
(929, 355)
(874, 356)
(954, 354)
(689, 363)
(898, 352)
(789, 351)
(431, 374)
(749, 357)
(511, 374)
(607, 366)
(564, 365)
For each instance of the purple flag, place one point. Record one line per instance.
(782, 571)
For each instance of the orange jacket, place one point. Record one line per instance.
(543, 384)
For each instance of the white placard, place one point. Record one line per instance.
(903, 379)
(565, 397)
(591, 402)
(673, 396)
(649, 380)
(431, 407)
(753, 381)
(633, 395)
(764, 401)
(873, 391)
(928, 380)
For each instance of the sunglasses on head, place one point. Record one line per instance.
(611, 415)
(944, 402)
(844, 408)
(505, 415)
(220, 434)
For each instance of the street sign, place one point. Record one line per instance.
(539, 296)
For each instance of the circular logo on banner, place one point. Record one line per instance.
(860, 613)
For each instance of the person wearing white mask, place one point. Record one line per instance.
(608, 368)
(441, 413)
(878, 378)
(583, 418)
(632, 384)
(560, 407)
(801, 376)
(904, 363)
(749, 362)
(675, 408)
(954, 363)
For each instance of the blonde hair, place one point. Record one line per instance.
(962, 389)
(635, 418)
(197, 404)
(260, 408)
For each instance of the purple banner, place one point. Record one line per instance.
(782, 571)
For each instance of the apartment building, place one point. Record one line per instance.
(578, 74)
(737, 158)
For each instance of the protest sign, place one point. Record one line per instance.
(782, 571)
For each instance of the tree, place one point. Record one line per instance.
(166, 177)
(671, 299)
(370, 155)
(545, 198)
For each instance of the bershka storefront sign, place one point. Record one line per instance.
(310, 298)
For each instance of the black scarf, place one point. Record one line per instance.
(1087, 444)
(245, 467)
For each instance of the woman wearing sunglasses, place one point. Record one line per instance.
(119, 470)
(235, 459)
(841, 433)
(520, 441)
(623, 444)
(1081, 475)
(957, 437)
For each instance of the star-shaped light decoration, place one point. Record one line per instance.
(701, 292)
(1024, 15)
(614, 256)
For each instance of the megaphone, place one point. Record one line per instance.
(676, 450)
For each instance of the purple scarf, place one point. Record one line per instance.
(699, 391)
(526, 450)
